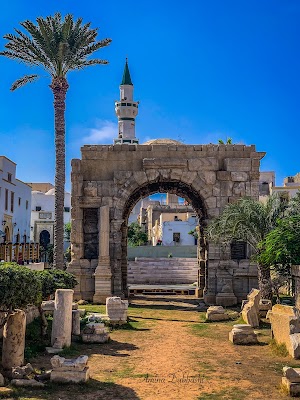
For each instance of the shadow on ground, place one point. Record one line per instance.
(98, 390)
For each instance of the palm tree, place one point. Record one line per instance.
(249, 221)
(57, 46)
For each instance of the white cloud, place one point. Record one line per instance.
(104, 133)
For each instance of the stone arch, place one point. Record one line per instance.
(120, 227)
(110, 178)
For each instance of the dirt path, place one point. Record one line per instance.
(168, 353)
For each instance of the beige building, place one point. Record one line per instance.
(267, 186)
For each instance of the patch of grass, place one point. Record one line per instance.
(278, 349)
(94, 308)
(34, 343)
(233, 393)
(201, 329)
(131, 325)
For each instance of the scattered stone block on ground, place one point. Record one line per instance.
(22, 372)
(216, 313)
(243, 334)
(27, 383)
(69, 370)
(291, 381)
(53, 350)
(116, 310)
(250, 310)
(285, 322)
(95, 332)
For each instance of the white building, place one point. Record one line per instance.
(15, 204)
(42, 212)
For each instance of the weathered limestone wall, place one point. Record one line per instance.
(208, 176)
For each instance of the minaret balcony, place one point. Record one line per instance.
(126, 104)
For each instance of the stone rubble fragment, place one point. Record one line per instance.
(243, 334)
(69, 370)
(285, 325)
(250, 311)
(216, 313)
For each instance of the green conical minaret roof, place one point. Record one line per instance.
(126, 80)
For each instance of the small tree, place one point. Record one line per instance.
(136, 237)
(19, 287)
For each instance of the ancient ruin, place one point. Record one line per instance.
(69, 370)
(291, 381)
(285, 322)
(109, 180)
(116, 310)
(243, 334)
(62, 319)
(250, 309)
(216, 313)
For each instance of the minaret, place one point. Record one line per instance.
(126, 110)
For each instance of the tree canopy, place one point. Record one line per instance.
(249, 221)
(136, 237)
(56, 44)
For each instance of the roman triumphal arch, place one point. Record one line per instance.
(109, 180)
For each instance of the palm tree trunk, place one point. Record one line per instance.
(264, 282)
(59, 88)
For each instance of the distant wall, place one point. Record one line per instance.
(161, 251)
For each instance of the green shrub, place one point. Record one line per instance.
(19, 286)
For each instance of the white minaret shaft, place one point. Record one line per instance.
(126, 110)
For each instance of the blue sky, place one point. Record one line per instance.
(202, 70)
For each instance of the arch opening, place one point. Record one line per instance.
(193, 203)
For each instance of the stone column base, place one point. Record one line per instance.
(103, 286)
(100, 298)
(226, 299)
(209, 299)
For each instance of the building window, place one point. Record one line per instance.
(238, 250)
(12, 201)
(6, 199)
(38, 208)
(9, 177)
(26, 204)
(176, 237)
(19, 201)
(67, 209)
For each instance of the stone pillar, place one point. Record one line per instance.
(76, 322)
(202, 258)
(14, 340)
(103, 276)
(62, 318)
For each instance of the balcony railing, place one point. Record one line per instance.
(20, 252)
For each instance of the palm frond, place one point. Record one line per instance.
(57, 44)
(23, 81)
